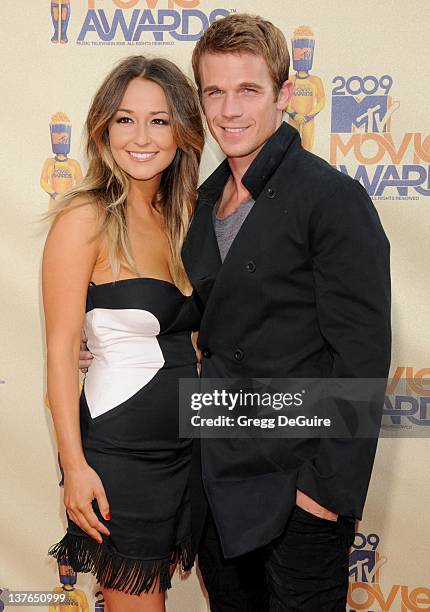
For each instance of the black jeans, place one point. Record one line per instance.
(305, 569)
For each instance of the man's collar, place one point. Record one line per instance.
(260, 170)
(267, 161)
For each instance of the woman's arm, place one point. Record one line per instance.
(68, 262)
(194, 338)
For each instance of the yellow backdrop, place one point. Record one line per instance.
(370, 84)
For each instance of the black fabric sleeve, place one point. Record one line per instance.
(350, 254)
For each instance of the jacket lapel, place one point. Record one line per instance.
(200, 252)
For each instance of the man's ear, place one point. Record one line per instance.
(284, 95)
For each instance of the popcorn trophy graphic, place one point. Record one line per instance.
(308, 97)
(60, 173)
(60, 15)
(76, 600)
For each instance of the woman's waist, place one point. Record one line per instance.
(142, 352)
(158, 390)
(102, 366)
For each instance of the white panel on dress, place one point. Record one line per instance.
(126, 352)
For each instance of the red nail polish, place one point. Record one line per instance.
(108, 516)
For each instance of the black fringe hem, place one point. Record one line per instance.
(114, 571)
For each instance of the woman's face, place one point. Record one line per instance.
(140, 133)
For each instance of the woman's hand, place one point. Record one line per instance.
(81, 486)
(85, 356)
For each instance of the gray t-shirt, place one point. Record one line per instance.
(226, 229)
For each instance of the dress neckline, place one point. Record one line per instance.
(139, 278)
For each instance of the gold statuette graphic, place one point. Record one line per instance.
(60, 173)
(308, 97)
(60, 15)
(75, 600)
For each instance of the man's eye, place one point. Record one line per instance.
(249, 90)
(215, 92)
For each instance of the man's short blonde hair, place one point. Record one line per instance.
(243, 33)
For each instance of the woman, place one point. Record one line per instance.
(125, 469)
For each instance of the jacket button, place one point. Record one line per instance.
(206, 353)
(250, 266)
(270, 192)
(239, 355)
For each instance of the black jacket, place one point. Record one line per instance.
(304, 291)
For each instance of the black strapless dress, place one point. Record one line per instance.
(139, 331)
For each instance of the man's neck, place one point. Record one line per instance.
(238, 169)
(235, 192)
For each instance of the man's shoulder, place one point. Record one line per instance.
(316, 177)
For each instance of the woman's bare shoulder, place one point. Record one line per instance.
(83, 215)
(72, 247)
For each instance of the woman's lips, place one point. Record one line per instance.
(142, 157)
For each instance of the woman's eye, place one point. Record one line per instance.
(158, 121)
(124, 120)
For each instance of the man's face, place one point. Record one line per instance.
(239, 102)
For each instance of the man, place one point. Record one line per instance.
(290, 266)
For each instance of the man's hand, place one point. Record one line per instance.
(85, 357)
(307, 503)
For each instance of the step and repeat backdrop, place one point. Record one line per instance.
(366, 78)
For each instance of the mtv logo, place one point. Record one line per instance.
(369, 114)
(363, 565)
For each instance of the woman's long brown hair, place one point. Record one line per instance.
(107, 186)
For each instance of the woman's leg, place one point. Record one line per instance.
(118, 601)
